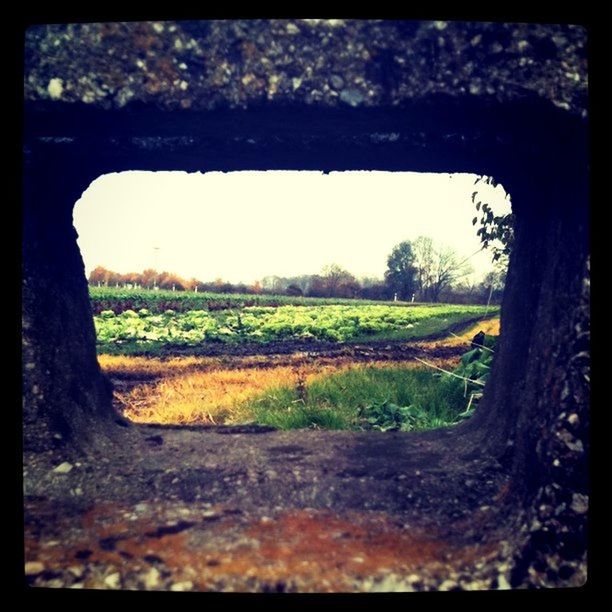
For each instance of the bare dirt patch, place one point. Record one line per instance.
(306, 511)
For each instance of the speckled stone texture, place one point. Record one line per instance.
(212, 64)
(508, 100)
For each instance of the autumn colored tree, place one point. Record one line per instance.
(149, 277)
(99, 276)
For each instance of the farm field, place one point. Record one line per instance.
(342, 385)
(119, 299)
(143, 332)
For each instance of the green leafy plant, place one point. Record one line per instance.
(330, 323)
(387, 416)
(474, 367)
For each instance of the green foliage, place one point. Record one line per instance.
(368, 398)
(474, 367)
(400, 273)
(335, 323)
(118, 299)
(387, 416)
(495, 231)
(297, 416)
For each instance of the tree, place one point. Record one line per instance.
(494, 282)
(447, 270)
(437, 268)
(99, 275)
(334, 281)
(424, 254)
(401, 271)
(373, 288)
(192, 284)
(131, 278)
(148, 277)
(272, 284)
(294, 290)
(339, 282)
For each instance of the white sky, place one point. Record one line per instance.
(242, 226)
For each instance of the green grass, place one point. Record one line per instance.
(364, 398)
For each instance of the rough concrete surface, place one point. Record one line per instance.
(339, 62)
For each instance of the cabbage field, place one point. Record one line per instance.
(264, 324)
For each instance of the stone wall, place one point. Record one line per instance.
(205, 65)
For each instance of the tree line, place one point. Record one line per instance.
(417, 270)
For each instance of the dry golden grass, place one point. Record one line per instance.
(217, 390)
(147, 367)
(221, 396)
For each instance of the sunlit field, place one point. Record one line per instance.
(296, 390)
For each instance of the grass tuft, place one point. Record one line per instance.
(343, 400)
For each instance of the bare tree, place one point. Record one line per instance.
(334, 281)
(437, 268)
(424, 262)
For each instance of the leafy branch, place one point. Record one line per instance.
(496, 231)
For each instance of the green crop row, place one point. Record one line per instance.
(119, 299)
(336, 323)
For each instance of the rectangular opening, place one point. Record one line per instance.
(347, 300)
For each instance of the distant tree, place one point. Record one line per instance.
(294, 290)
(334, 281)
(148, 277)
(373, 288)
(272, 284)
(131, 278)
(317, 286)
(221, 286)
(99, 275)
(192, 283)
(113, 278)
(255, 288)
(448, 268)
(401, 271)
(340, 282)
(425, 265)
(375, 291)
(494, 282)
(163, 280)
(464, 292)
(437, 268)
(177, 282)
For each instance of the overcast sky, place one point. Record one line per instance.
(242, 226)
